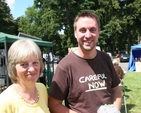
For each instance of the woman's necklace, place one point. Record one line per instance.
(35, 100)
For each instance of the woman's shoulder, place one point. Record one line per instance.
(40, 85)
(42, 90)
(6, 95)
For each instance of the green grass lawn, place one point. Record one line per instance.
(132, 83)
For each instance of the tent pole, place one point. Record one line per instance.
(6, 57)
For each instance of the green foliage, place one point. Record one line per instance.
(120, 20)
(7, 23)
(28, 24)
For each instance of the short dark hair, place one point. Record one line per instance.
(86, 13)
(119, 71)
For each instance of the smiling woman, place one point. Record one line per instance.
(24, 67)
(26, 52)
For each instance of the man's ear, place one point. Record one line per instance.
(75, 34)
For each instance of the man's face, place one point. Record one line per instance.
(87, 33)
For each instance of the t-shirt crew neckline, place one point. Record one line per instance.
(86, 58)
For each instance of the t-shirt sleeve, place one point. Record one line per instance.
(59, 85)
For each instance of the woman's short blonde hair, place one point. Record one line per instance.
(18, 51)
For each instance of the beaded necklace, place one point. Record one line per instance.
(28, 101)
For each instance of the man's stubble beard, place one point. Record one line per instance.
(82, 47)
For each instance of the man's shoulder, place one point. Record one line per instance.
(67, 61)
(68, 57)
(104, 56)
(102, 53)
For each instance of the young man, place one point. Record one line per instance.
(85, 79)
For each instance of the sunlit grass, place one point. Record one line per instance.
(132, 82)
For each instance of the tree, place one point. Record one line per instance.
(120, 22)
(7, 23)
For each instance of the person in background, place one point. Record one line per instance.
(50, 57)
(84, 79)
(24, 68)
(115, 63)
(120, 73)
(42, 77)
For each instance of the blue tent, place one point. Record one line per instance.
(135, 53)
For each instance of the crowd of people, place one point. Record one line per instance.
(84, 81)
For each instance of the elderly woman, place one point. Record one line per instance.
(24, 67)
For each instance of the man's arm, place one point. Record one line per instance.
(117, 97)
(55, 106)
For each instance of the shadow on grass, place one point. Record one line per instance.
(129, 106)
(127, 90)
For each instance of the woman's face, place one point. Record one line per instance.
(28, 71)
